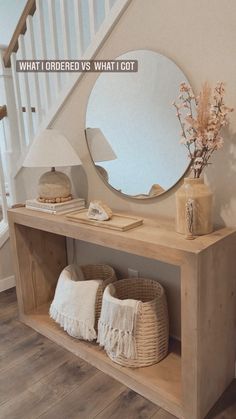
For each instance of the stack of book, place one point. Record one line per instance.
(74, 204)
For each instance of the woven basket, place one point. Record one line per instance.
(107, 275)
(152, 325)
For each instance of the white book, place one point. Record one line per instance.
(50, 206)
(57, 212)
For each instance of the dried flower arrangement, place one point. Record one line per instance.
(202, 119)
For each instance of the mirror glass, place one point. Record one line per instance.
(131, 126)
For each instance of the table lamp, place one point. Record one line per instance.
(99, 148)
(50, 149)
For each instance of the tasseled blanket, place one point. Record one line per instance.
(117, 324)
(73, 306)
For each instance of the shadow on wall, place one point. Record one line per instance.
(79, 182)
(28, 178)
(222, 178)
(167, 275)
(26, 183)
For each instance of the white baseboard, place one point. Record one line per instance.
(7, 283)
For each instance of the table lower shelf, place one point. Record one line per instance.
(160, 383)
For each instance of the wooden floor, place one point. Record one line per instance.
(38, 379)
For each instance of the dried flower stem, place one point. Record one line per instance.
(201, 133)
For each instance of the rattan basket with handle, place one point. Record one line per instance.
(152, 325)
(104, 272)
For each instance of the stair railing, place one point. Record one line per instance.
(54, 29)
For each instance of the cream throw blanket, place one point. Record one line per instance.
(73, 306)
(117, 323)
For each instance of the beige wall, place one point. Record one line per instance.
(168, 275)
(200, 37)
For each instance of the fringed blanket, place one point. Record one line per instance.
(116, 326)
(73, 306)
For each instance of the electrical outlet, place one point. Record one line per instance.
(132, 273)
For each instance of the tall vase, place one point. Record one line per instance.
(194, 208)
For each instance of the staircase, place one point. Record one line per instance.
(47, 29)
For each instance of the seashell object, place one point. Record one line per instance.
(99, 211)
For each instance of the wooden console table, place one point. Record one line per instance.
(186, 384)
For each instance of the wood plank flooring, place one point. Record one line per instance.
(38, 379)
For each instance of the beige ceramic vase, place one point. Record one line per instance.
(200, 197)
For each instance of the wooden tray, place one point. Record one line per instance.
(118, 222)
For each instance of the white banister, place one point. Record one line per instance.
(54, 38)
(42, 44)
(4, 146)
(35, 76)
(3, 190)
(65, 29)
(9, 131)
(78, 27)
(25, 78)
(15, 77)
(91, 19)
(9, 185)
(4, 230)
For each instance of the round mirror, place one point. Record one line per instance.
(131, 126)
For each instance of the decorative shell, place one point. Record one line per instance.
(99, 211)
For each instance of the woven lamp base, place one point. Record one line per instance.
(54, 185)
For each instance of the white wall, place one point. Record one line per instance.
(200, 37)
(3, 162)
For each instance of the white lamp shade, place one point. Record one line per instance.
(51, 149)
(99, 147)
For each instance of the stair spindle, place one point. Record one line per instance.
(91, 19)
(3, 192)
(21, 126)
(107, 7)
(54, 39)
(65, 29)
(43, 49)
(35, 75)
(25, 78)
(78, 27)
